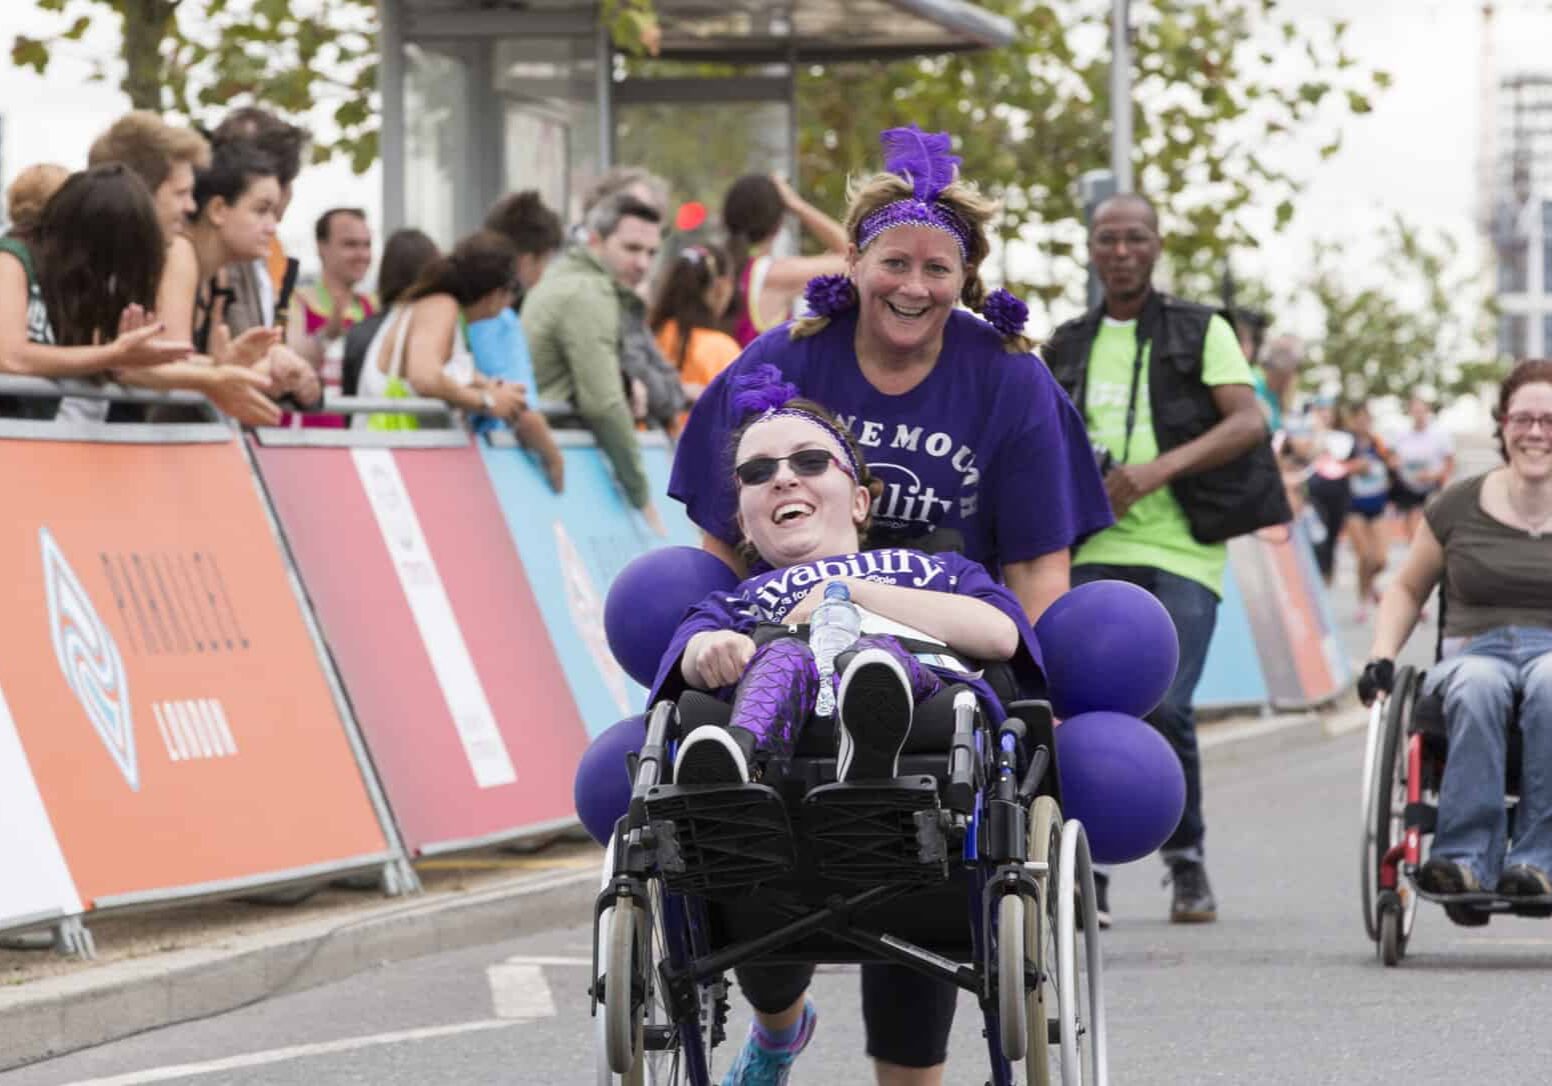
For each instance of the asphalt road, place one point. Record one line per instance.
(1284, 989)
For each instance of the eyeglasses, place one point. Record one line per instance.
(759, 470)
(1132, 239)
(1522, 422)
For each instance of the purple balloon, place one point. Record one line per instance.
(1121, 778)
(1107, 645)
(649, 598)
(602, 789)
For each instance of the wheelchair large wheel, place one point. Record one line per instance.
(1080, 991)
(1388, 914)
(1045, 832)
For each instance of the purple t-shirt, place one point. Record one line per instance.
(769, 596)
(988, 444)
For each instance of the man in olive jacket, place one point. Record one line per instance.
(573, 317)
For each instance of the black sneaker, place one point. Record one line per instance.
(1102, 899)
(1523, 880)
(1441, 876)
(1191, 901)
(874, 711)
(710, 755)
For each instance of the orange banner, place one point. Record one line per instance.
(166, 692)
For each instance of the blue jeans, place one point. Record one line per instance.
(1479, 687)
(1194, 609)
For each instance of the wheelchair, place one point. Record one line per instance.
(1403, 768)
(961, 868)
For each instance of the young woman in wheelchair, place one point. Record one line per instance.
(803, 508)
(1489, 539)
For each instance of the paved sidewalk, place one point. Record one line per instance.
(177, 964)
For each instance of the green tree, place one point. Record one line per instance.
(1216, 83)
(1418, 319)
(298, 57)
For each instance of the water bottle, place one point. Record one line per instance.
(835, 625)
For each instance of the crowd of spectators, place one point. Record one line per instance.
(160, 266)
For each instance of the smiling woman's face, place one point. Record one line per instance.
(796, 518)
(908, 282)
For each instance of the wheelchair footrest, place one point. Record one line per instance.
(716, 839)
(877, 832)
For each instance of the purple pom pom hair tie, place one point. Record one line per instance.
(922, 158)
(763, 390)
(1004, 312)
(827, 295)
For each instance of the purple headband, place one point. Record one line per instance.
(922, 158)
(763, 390)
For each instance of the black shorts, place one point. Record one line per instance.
(907, 1015)
(1404, 497)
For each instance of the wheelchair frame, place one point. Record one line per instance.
(1400, 808)
(992, 824)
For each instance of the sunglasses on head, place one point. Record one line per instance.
(759, 470)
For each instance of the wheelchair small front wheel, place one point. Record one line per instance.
(1392, 940)
(1010, 976)
(622, 1011)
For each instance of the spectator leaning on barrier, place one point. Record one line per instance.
(422, 343)
(260, 296)
(407, 253)
(78, 301)
(574, 317)
(1167, 398)
(166, 158)
(498, 343)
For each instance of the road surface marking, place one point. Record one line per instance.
(294, 1052)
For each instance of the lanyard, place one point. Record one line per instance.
(1131, 397)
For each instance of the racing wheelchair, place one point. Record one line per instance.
(961, 868)
(1403, 767)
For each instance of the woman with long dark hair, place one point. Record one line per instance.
(687, 313)
(753, 211)
(78, 301)
(424, 343)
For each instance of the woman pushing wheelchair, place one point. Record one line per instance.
(803, 507)
(1489, 540)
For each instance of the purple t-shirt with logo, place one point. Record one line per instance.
(769, 596)
(988, 444)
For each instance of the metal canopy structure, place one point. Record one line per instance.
(482, 97)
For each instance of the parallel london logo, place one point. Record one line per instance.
(89, 658)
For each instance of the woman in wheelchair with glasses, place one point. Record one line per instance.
(1489, 539)
(803, 507)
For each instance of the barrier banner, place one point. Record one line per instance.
(437, 636)
(163, 684)
(1286, 612)
(572, 546)
(37, 883)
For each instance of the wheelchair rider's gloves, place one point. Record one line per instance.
(1378, 676)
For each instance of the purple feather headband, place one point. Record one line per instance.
(763, 390)
(922, 158)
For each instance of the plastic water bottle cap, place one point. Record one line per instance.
(837, 590)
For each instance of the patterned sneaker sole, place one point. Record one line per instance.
(708, 760)
(875, 716)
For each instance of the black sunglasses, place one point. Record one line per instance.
(759, 470)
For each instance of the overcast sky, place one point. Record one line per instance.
(1415, 153)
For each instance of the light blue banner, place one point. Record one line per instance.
(572, 545)
(1232, 675)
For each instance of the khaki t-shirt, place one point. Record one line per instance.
(1495, 575)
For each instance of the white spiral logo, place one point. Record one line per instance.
(89, 658)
